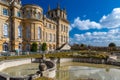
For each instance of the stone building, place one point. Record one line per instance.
(20, 26)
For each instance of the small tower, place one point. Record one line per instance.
(60, 16)
(64, 9)
(48, 7)
(58, 6)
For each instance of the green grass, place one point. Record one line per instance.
(20, 57)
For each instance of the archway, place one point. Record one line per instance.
(5, 46)
(28, 47)
(20, 47)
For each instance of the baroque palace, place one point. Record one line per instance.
(20, 26)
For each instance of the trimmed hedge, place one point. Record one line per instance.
(34, 47)
(60, 55)
(20, 57)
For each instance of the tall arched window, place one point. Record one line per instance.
(61, 38)
(28, 32)
(5, 30)
(46, 37)
(38, 15)
(28, 47)
(20, 47)
(28, 14)
(54, 38)
(20, 32)
(50, 37)
(39, 32)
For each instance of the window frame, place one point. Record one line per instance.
(5, 12)
(5, 32)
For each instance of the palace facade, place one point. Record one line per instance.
(20, 26)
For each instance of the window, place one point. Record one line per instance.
(54, 27)
(5, 11)
(20, 32)
(61, 27)
(28, 47)
(18, 14)
(64, 28)
(5, 30)
(46, 24)
(54, 38)
(20, 47)
(38, 15)
(28, 32)
(50, 37)
(50, 26)
(61, 38)
(28, 14)
(46, 37)
(64, 39)
(39, 32)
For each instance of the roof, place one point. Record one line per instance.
(65, 46)
(31, 5)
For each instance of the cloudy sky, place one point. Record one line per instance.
(93, 22)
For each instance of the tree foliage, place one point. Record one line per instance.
(112, 45)
(44, 47)
(34, 47)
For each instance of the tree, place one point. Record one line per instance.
(44, 47)
(112, 45)
(34, 47)
(75, 47)
(83, 47)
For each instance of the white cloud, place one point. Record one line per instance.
(98, 38)
(85, 24)
(101, 38)
(109, 21)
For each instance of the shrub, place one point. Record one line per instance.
(34, 47)
(44, 47)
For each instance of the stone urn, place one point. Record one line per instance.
(42, 67)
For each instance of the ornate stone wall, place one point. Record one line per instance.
(28, 24)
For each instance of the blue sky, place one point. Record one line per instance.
(93, 22)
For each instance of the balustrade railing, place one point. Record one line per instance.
(4, 2)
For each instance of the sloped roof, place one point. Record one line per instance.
(65, 46)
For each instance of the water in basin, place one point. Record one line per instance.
(22, 70)
(76, 72)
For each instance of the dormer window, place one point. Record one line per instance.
(38, 15)
(18, 14)
(28, 14)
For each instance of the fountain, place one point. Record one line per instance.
(30, 71)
